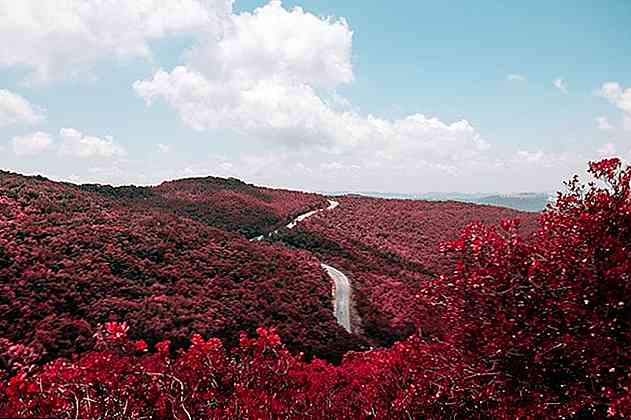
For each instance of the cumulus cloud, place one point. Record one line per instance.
(621, 98)
(76, 144)
(163, 148)
(294, 115)
(608, 150)
(530, 156)
(271, 75)
(32, 144)
(561, 85)
(57, 39)
(275, 43)
(14, 109)
(617, 95)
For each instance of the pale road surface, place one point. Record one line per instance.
(342, 295)
(332, 205)
(302, 217)
(342, 286)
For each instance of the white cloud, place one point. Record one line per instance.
(272, 74)
(540, 158)
(275, 43)
(561, 85)
(32, 145)
(74, 143)
(261, 75)
(332, 166)
(516, 77)
(621, 98)
(14, 109)
(603, 123)
(294, 115)
(66, 38)
(530, 156)
(617, 95)
(269, 75)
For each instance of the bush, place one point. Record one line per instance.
(550, 319)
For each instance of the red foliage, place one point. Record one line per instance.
(71, 259)
(228, 204)
(259, 379)
(390, 250)
(532, 329)
(551, 318)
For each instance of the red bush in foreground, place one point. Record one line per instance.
(550, 319)
(259, 379)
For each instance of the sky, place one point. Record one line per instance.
(323, 95)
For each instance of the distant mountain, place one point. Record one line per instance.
(532, 202)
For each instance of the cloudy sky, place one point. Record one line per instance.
(315, 94)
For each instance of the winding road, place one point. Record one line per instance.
(341, 284)
(342, 295)
(294, 223)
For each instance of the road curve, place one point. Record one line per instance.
(294, 223)
(302, 217)
(342, 295)
(341, 284)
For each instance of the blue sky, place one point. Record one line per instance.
(427, 96)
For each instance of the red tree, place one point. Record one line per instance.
(549, 319)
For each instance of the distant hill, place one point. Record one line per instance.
(229, 204)
(531, 202)
(173, 260)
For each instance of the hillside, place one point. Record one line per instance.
(170, 261)
(391, 249)
(532, 202)
(228, 204)
(71, 259)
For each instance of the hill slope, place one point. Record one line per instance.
(391, 251)
(71, 258)
(228, 204)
